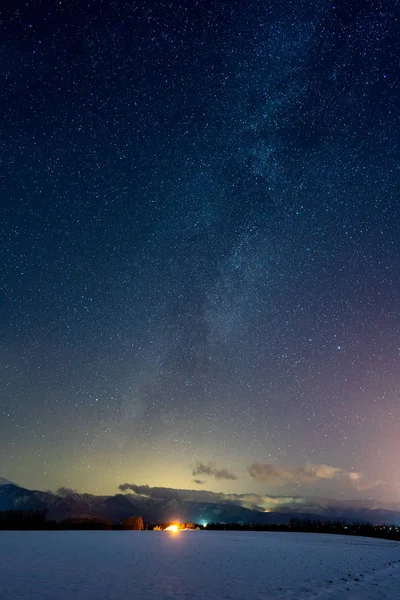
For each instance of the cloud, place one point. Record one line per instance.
(323, 471)
(361, 483)
(249, 500)
(198, 481)
(254, 501)
(324, 507)
(209, 469)
(143, 490)
(178, 494)
(276, 474)
(353, 476)
(310, 473)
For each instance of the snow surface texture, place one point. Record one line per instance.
(196, 565)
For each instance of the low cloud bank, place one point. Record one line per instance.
(262, 502)
(253, 501)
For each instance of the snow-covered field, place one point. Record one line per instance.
(200, 565)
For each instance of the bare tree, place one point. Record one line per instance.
(133, 523)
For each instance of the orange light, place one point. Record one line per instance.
(173, 528)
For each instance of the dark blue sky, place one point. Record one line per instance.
(200, 246)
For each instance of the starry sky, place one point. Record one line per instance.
(200, 246)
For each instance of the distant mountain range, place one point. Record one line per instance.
(67, 504)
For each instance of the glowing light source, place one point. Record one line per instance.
(173, 528)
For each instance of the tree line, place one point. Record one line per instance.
(337, 527)
(37, 520)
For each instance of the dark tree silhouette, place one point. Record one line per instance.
(134, 523)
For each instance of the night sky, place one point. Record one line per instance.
(200, 246)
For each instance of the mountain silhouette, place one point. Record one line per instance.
(66, 504)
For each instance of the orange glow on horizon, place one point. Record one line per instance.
(173, 528)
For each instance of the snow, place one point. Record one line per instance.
(196, 565)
